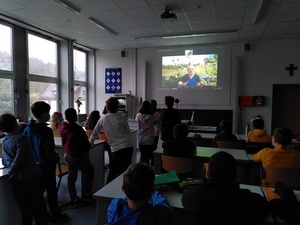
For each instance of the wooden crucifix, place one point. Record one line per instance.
(291, 68)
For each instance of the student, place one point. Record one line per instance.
(24, 174)
(142, 205)
(280, 156)
(258, 134)
(169, 117)
(145, 121)
(220, 200)
(225, 133)
(92, 120)
(119, 138)
(180, 146)
(42, 145)
(77, 147)
(157, 124)
(56, 122)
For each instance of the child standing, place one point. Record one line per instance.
(145, 121)
(24, 174)
(77, 147)
(56, 121)
(118, 134)
(42, 146)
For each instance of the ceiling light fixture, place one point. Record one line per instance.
(69, 6)
(188, 35)
(101, 26)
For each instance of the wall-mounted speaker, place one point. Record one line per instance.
(122, 53)
(247, 47)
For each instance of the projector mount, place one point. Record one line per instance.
(168, 15)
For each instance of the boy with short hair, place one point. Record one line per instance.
(169, 117)
(42, 145)
(220, 200)
(24, 174)
(258, 134)
(117, 131)
(280, 156)
(77, 147)
(138, 185)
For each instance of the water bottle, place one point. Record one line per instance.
(247, 130)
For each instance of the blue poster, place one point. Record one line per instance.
(113, 80)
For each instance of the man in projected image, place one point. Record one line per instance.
(191, 79)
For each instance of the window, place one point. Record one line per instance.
(80, 80)
(6, 70)
(42, 56)
(43, 75)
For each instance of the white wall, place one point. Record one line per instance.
(113, 59)
(253, 73)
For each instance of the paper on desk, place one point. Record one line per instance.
(166, 178)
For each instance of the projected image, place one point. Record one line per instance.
(190, 71)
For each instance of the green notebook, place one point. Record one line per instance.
(166, 178)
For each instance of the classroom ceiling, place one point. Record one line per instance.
(138, 24)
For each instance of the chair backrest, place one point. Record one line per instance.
(254, 147)
(88, 133)
(289, 176)
(231, 144)
(56, 133)
(179, 164)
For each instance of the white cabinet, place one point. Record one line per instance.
(126, 104)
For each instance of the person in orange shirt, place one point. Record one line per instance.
(258, 134)
(280, 156)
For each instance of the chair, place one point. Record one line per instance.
(182, 166)
(61, 170)
(254, 147)
(56, 133)
(289, 176)
(231, 144)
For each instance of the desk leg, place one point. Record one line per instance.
(134, 139)
(102, 212)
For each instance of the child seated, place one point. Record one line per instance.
(142, 204)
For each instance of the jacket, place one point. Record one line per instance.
(18, 158)
(158, 212)
(224, 203)
(74, 140)
(258, 135)
(42, 144)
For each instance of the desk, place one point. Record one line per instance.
(97, 159)
(113, 190)
(9, 210)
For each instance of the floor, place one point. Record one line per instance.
(83, 215)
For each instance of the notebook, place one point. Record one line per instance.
(166, 178)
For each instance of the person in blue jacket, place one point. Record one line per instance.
(142, 204)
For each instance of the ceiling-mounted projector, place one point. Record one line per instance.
(168, 15)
